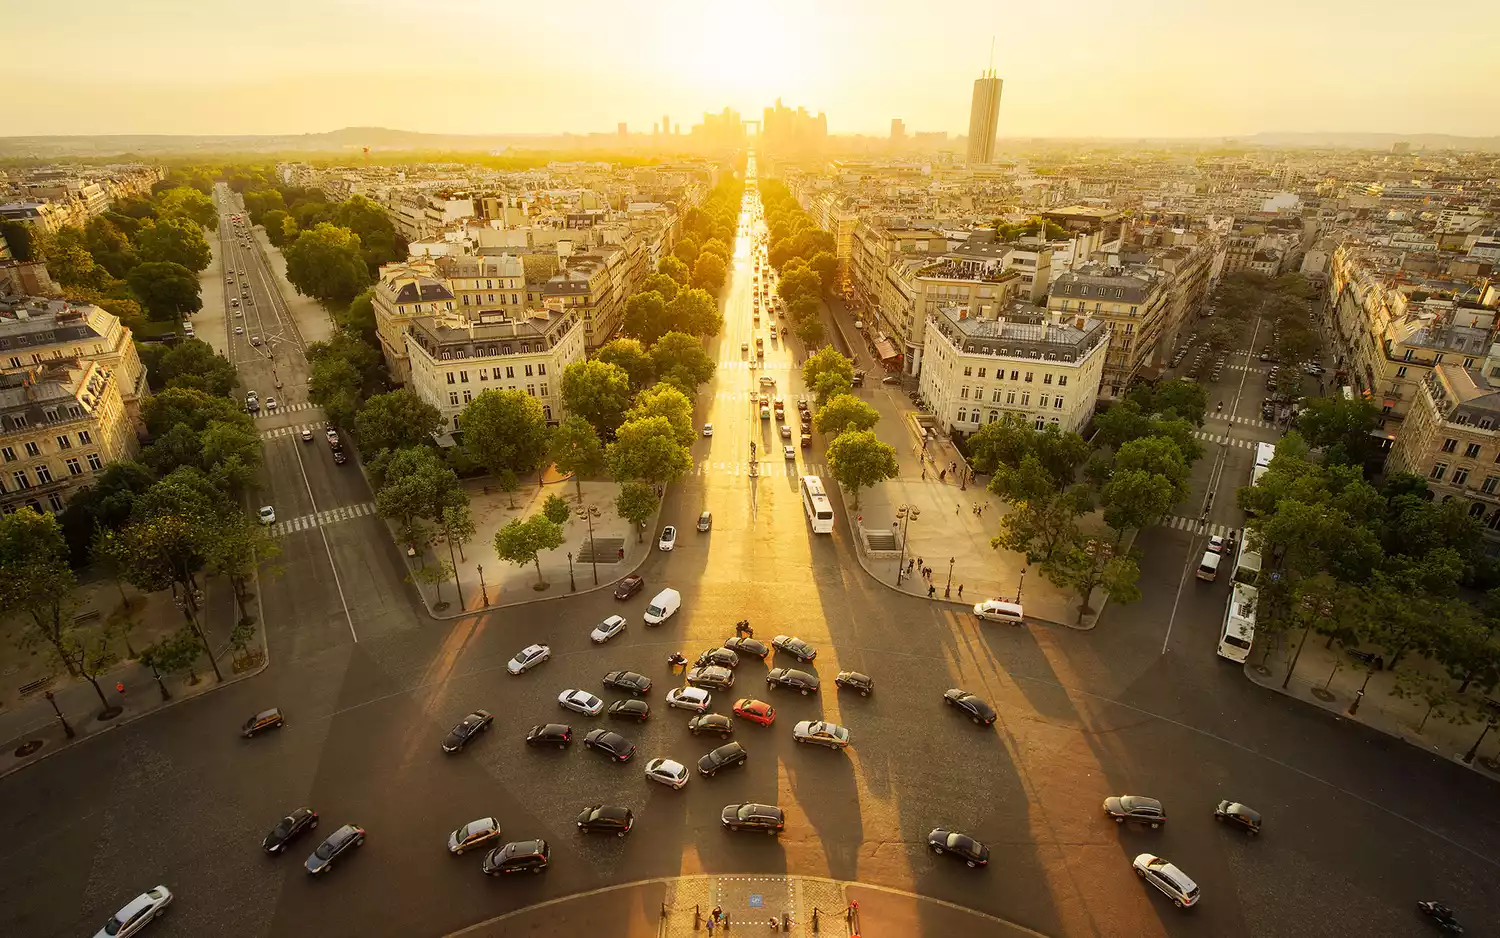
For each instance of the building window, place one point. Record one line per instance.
(995, 396)
(468, 396)
(1047, 378)
(1401, 372)
(1015, 376)
(544, 390)
(1025, 398)
(531, 390)
(463, 377)
(451, 378)
(496, 373)
(1460, 476)
(1407, 356)
(994, 415)
(64, 443)
(528, 371)
(968, 372)
(981, 372)
(466, 299)
(541, 370)
(74, 467)
(1062, 381)
(23, 481)
(510, 372)
(95, 463)
(1040, 423)
(55, 502)
(453, 398)
(963, 416)
(1028, 377)
(1485, 423)
(1438, 471)
(1471, 451)
(1043, 400)
(1010, 397)
(963, 393)
(492, 297)
(43, 474)
(1057, 402)
(1450, 445)
(32, 449)
(1488, 486)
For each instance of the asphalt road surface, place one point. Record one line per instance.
(1358, 826)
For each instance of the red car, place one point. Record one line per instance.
(756, 711)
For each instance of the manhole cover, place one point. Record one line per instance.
(27, 748)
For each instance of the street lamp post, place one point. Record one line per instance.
(906, 515)
(68, 730)
(948, 589)
(1474, 749)
(1360, 695)
(1019, 585)
(484, 595)
(572, 584)
(588, 514)
(165, 694)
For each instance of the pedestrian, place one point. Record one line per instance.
(910, 565)
(929, 574)
(931, 591)
(955, 509)
(718, 914)
(919, 562)
(924, 473)
(710, 925)
(942, 475)
(960, 591)
(120, 687)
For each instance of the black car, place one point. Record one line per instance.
(340, 842)
(726, 755)
(550, 734)
(1237, 815)
(978, 710)
(611, 744)
(1122, 808)
(636, 684)
(606, 819)
(856, 681)
(289, 829)
(629, 586)
(793, 679)
(753, 817)
(744, 645)
(711, 723)
(471, 726)
(524, 856)
(265, 720)
(960, 846)
(711, 677)
(637, 710)
(795, 647)
(718, 657)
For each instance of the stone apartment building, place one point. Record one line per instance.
(37, 330)
(1133, 301)
(406, 291)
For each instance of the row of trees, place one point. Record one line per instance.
(1243, 295)
(138, 260)
(1135, 472)
(802, 255)
(708, 233)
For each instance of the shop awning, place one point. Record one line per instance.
(886, 350)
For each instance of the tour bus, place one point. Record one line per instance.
(815, 502)
(1264, 453)
(1238, 633)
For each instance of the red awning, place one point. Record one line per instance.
(886, 350)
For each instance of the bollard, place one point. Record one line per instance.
(697, 917)
(815, 921)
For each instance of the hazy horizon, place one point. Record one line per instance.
(1168, 68)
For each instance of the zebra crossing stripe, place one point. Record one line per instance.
(326, 517)
(1191, 526)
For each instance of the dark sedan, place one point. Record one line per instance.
(960, 846)
(1237, 815)
(745, 645)
(753, 817)
(630, 681)
(1122, 808)
(629, 586)
(977, 710)
(611, 744)
(793, 679)
(856, 681)
(606, 819)
(795, 647)
(712, 677)
(718, 657)
(550, 734)
(525, 856)
(289, 829)
(340, 842)
(468, 728)
(637, 710)
(711, 723)
(726, 755)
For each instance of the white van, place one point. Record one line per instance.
(1208, 567)
(663, 606)
(998, 610)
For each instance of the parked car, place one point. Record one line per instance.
(719, 657)
(524, 856)
(793, 679)
(288, 829)
(1172, 882)
(753, 817)
(137, 913)
(580, 701)
(628, 681)
(339, 843)
(473, 835)
(971, 705)
(610, 743)
(606, 819)
(821, 733)
(528, 658)
(666, 772)
(727, 755)
(265, 720)
(1122, 808)
(744, 645)
(1237, 815)
(629, 586)
(856, 681)
(705, 521)
(959, 846)
(711, 723)
(633, 709)
(550, 734)
(467, 728)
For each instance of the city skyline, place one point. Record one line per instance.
(1231, 72)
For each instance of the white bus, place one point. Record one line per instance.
(1264, 453)
(815, 502)
(1238, 633)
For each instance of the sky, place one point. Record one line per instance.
(1157, 68)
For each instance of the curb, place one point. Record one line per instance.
(1341, 714)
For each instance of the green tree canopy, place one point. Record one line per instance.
(507, 432)
(845, 412)
(648, 449)
(598, 392)
(167, 290)
(681, 359)
(327, 263)
(521, 542)
(395, 420)
(709, 272)
(664, 400)
(576, 449)
(191, 363)
(636, 503)
(661, 283)
(189, 203)
(176, 240)
(694, 311)
(858, 459)
(1341, 428)
(828, 373)
(674, 268)
(630, 355)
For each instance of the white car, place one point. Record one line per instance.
(789, 452)
(1216, 544)
(695, 699)
(708, 429)
(580, 701)
(608, 629)
(267, 514)
(821, 733)
(136, 913)
(667, 772)
(255, 340)
(668, 538)
(306, 435)
(528, 658)
(270, 403)
(239, 330)
(1173, 883)
(998, 610)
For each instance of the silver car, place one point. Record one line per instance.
(821, 733)
(607, 629)
(580, 701)
(137, 912)
(667, 772)
(712, 677)
(473, 834)
(528, 658)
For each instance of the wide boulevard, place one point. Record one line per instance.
(1358, 826)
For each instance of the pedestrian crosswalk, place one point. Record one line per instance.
(1223, 440)
(290, 431)
(1249, 422)
(329, 516)
(1191, 525)
(285, 409)
(783, 468)
(741, 364)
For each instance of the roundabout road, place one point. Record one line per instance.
(1357, 826)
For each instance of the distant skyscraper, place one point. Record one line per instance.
(984, 117)
(666, 124)
(622, 130)
(898, 130)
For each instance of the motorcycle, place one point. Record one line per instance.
(677, 660)
(1441, 916)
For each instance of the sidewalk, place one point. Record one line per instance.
(309, 318)
(28, 723)
(1330, 679)
(504, 583)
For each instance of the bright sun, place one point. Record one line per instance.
(747, 60)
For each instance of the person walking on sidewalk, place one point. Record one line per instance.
(960, 591)
(931, 591)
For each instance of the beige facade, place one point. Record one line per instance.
(1451, 437)
(490, 283)
(1133, 302)
(406, 291)
(61, 423)
(39, 330)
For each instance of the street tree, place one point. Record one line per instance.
(230, 455)
(275, 222)
(857, 459)
(825, 265)
(636, 503)
(1156, 455)
(1341, 428)
(646, 316)
(686, 251)
(715, 247)
(845, 412)
(167, 290)
(648, 449)
(630, 356)
(193, 408)
(1435, 694)
(327, 263)
(1187, 400)
(175, 240)
(90, 655)
(661, 283)
(434, 574)
(576, 450)
(1089, 563)
(709, 272)
(191, 363)
(664, 400)
(395, 420)
(507, 432)
(170, 654)
(828, 373)
(693, 311)
(680, 357)
(36, 582)
(109, 246)
(673, 267)
(458, 527)
(1136, 499)
(556, 509)
(239, 546)
(334, 385)
(598, 392)
(168, 550)
(521, 542)
(810, 331)
(417, 487)
(189, 203)
(240, 638)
